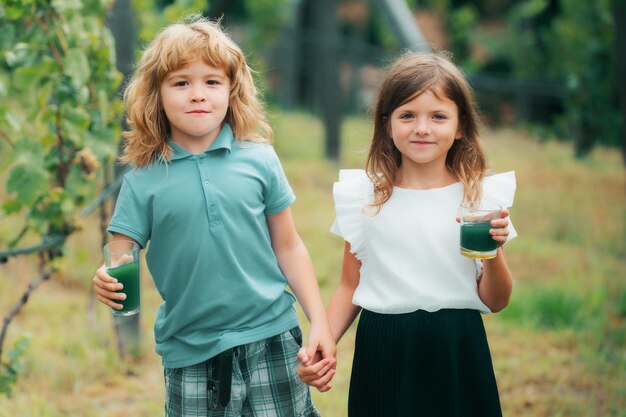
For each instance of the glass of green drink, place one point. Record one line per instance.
(476, 242)
(121, 259)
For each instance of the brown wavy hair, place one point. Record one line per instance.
(409, 76)
(175, 47)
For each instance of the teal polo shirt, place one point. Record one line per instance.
(210, 253)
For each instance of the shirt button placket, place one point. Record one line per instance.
(209, 194)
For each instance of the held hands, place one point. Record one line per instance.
(104, 286)
(317, 359)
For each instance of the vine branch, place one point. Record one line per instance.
(57, 55)
(7, 139)
(21, 303)
(48, 242)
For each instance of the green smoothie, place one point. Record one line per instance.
(476, 240)
(128, 276)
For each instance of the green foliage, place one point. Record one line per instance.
(550, 308)
(572, 44)
(268, 18)
(620, 304)
(179, 8)
(265, 18)
(461, 21)
(10, 370)
(569, 43)
(58, 113)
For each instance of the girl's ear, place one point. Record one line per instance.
(459, 132)
(385, 120)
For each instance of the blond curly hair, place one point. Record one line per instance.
(176, 46)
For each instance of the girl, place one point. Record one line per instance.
(421, 347)
(209, 194)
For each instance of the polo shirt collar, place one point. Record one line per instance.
(223, 140)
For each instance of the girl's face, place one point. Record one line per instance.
(195, 100)
(424, 129)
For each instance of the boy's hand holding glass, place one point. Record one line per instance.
(116, 283)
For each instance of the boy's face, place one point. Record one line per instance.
(195, 99)
(425, 128)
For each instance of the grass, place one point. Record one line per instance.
(559, 349)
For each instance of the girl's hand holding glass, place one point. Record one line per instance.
(500, 230)
(483, 230)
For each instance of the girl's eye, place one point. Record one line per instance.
(180, 83)
(212, 82)
(405, 116)
(439, 117)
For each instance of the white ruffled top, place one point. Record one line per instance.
(409, 251)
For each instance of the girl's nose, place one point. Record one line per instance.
(421, 128)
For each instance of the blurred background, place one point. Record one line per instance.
(550, 83)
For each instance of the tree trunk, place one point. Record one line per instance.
(619, 19)
(216, 8)
(287, 56)
(327, 88)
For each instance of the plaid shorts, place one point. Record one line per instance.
(264, 383)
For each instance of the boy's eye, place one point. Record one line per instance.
(212, 82)
(180, 83)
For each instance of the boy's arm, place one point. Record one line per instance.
(496, 283)
(295, 263)
(105, 285)
(341, 313)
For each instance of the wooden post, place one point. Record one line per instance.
(619, 19)
(121, 22)
(288, 57)
(327, 85)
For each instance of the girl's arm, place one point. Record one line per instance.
(105, 285)
(341, 313)
(496, 283)
(295, 263)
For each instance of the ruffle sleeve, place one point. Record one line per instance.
(500, 189)
(352, 193)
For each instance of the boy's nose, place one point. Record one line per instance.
(197, 95)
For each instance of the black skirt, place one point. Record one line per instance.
(423, 364)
